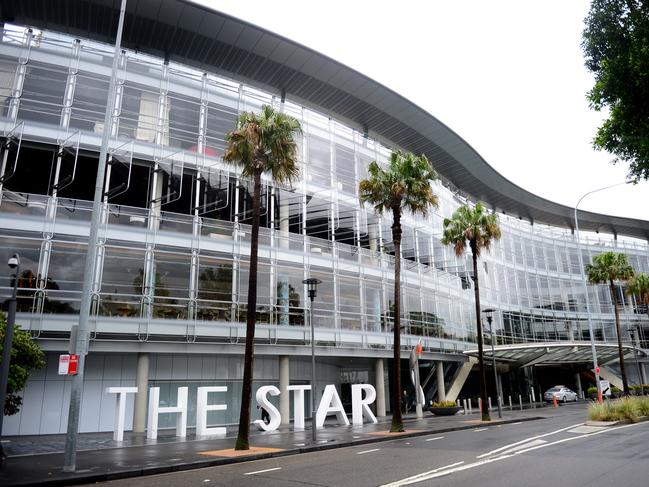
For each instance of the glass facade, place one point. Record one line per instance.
(173, 256)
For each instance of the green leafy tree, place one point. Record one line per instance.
(616, 48)
(607, 268)
(638, 286)
(477, 228)
(404, 185)
(26, 356)
(261, 143)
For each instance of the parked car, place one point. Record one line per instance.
(562, 393)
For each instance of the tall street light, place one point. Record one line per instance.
(584, 282)
(80, 344)
(14, 265)
(489, 314)
(312, 288)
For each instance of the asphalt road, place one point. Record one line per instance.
(555, 451)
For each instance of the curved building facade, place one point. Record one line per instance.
(170, 288)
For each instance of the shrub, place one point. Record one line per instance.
(629, 408)
(442, 404)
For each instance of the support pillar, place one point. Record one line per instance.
(379, 380)
(441, 387)
(284, 408)
(643, 373)
(578, 383)
(142, 383)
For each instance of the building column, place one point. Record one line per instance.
(142, 383)
(643, 373)
(578, 382)
(441, 387)
(284, 408)
(379, 380)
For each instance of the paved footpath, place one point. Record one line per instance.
(39, 459)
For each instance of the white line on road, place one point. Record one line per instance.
(436, 438)
(441, 472)
(519, 422)
(420, 477)
(480, 429)
(367, 451)
(526, 440)
(263, 471)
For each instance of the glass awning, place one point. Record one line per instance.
(555, 353)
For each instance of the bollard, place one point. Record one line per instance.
(510, 402)
(520, 401)
(470, 407)
(480, 405)
(490, 407)
(554, 401)
(465, 410)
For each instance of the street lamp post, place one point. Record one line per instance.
(14, 265)
(488, 313)
(312, 288)
(79, 341)
(583, 274)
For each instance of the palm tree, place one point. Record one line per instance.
(478, 228)
(405, 184)
(261, 143)
(609, 267)
(638, 286)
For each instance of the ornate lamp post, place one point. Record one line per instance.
(489, 314)
(312, 288)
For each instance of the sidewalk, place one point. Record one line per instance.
(39, 459)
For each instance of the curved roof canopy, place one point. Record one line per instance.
(554, 353)
(192, 34)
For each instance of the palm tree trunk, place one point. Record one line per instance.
(397, 420)
(481, 370)
(625, 384)
(242, 442)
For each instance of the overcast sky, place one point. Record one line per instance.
(506, 75)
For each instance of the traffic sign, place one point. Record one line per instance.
(68, 364)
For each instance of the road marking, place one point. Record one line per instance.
(263, 471)
(458, 467)
(299, 444)
(436, 438)
(356, 437)
(519, 422)
(367, 451)
(526, 440)
(420, 477)
(480, 429)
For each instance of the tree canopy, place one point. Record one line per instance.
(616, 48)
(26, 356)
(608, 267)
(473, 226)
(404, 184)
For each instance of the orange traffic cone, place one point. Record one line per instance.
(554, 401)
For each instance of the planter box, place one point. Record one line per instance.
(449, 411)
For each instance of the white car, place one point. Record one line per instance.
(562, 393)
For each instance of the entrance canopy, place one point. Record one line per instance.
(554, 353)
